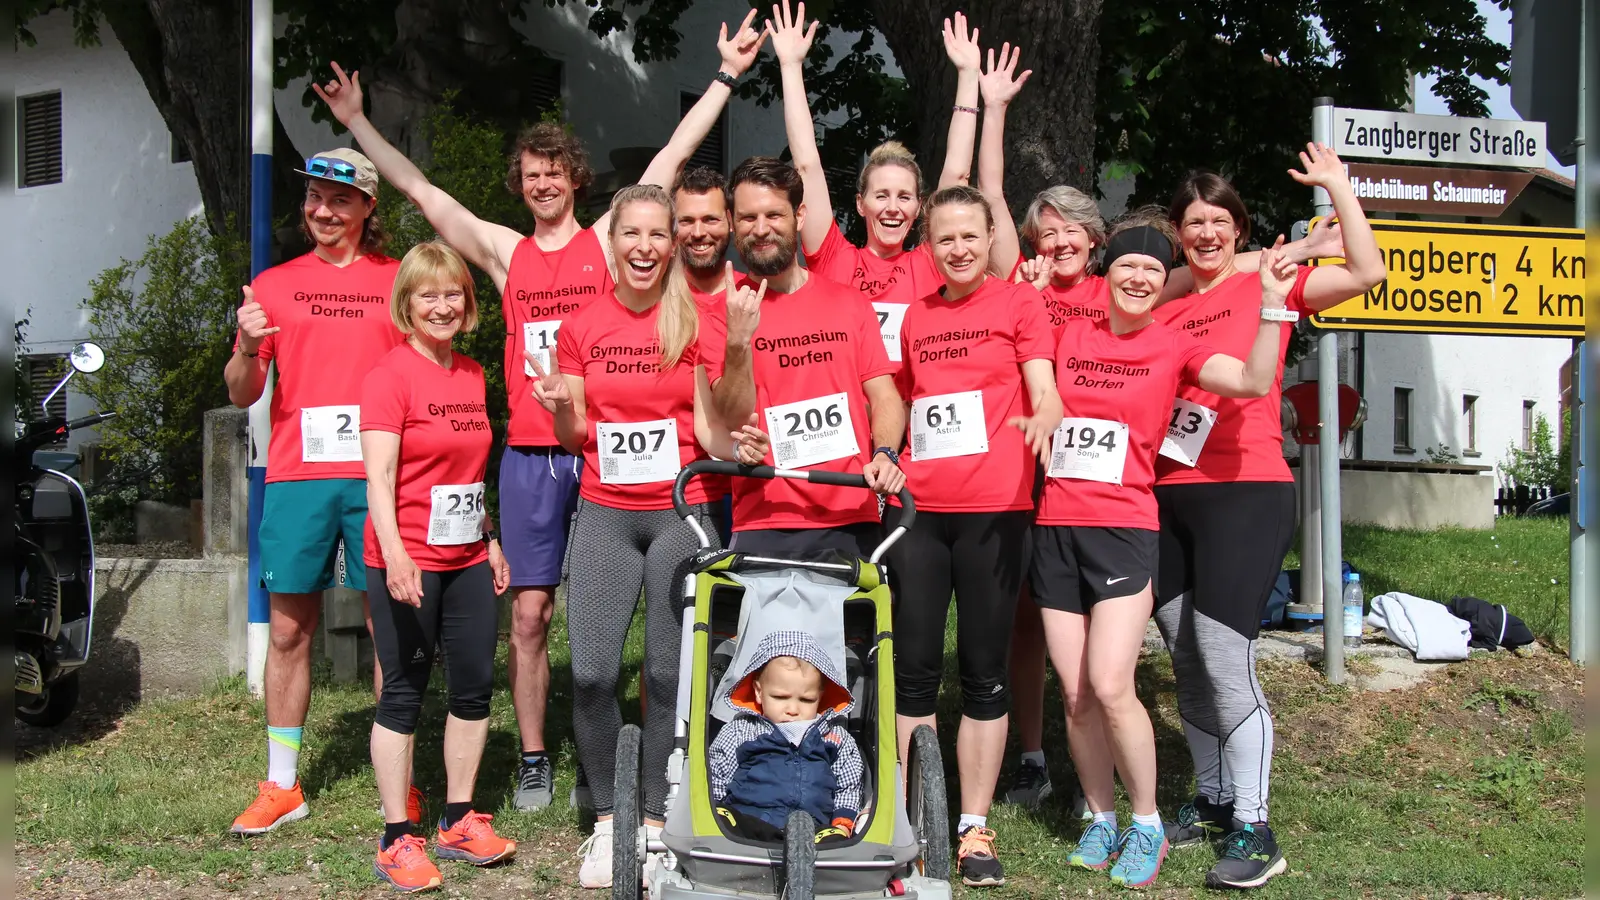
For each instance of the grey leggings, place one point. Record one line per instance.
(611, 555)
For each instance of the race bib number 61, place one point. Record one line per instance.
(813, 431)
(1089, 449)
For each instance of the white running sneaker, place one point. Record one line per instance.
(595, 872)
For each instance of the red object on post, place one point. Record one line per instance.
(1300, 413)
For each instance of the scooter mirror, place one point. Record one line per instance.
(87, 357)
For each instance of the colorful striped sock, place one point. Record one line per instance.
(283, 755)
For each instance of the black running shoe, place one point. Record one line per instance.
(1199, 821)
(1249, 860)
(1030, 785)
(976, 859)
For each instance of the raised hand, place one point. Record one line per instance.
(1322, 167)
(999, 82)
(1277, 273)
(791, 39)
(750, 443)
(549, 388)
(1325, 241)
(253, 323)
(744, 307)
(961, 47)
(1035, 271)
(739, 52)
(342, 94)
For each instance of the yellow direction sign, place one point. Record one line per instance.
(1471, 279)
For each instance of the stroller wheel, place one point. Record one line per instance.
(926, 804)
(799, 857)
(626, 818)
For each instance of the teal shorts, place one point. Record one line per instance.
(302, 526)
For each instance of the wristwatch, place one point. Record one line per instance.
(727, 79)
(1279, 315)
(490, 536)
(886, 451)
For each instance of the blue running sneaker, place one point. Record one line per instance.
(1140, 851)
(1096, 848)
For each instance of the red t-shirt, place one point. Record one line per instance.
(1088, 299)
(543, 289)
(444, 433)
(335, 327)
(616, 353)
(950, 350)
(1246, 441)
(891, 284)
(816, 342)
(1129, 378)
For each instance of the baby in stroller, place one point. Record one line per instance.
(787, 748)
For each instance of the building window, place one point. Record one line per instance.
(39, 140)
(179, 151)
(1402, 420)
(544, 88)
(1469, 414)
(44, 371)
(1527, 424)
(712, 152)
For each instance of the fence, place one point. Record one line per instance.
(1515, 501)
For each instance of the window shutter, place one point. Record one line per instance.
(712, 152)
(545, 86)
(39, 119)
(43, 373)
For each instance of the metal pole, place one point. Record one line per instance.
(1328, 471)
(260, 257)
(1580, 587)
(1310, 594)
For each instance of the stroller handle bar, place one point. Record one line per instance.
(838, 479)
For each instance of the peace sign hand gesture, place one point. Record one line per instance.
(342, 94)
(1277, 274)
(549, 388)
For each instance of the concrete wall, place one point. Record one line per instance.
(1415, 501)
(165, 625)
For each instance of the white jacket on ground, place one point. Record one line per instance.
(1422, 626)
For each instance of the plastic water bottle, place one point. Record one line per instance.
(1352, 610)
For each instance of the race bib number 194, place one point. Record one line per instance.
(1089, 449)
(813, 431)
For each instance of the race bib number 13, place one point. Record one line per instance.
(1089, 449)
(890, 317)
(1187, 432)
(457, 514)
(330, 434)
(540, 338)
(813, 431)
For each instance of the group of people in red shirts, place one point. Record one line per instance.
(1091, 436)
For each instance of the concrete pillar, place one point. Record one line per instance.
(224, 512)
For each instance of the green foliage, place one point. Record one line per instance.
(1538, 467)
(1502, 697)
(166, 323)
(23, 401)
(1564, 455)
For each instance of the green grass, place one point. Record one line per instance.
(1469, 784)
(1522, 563)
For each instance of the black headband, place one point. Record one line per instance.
(1143, 240)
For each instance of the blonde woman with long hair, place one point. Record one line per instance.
(624, 396)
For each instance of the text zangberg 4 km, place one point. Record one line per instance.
(1471, 279)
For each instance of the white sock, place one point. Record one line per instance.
(283, 756)
(971, 821)
(1109, 817)
(1036, 757)
(1151, 821)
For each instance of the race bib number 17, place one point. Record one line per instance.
(813, 431)
(890, 317)
(1089, 449)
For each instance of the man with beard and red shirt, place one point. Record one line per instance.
(805, 358)
(543, 279)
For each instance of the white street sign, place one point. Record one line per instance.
(1382, 134)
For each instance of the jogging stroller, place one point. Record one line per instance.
(901, 842)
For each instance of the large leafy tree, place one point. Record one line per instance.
(1148, 88)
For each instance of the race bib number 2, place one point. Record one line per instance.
(638, 452)
(1089, 449)
(1187, 432)
(890, 317)
(330, 434)
(540, 339)
(457, 514)
(813, 431)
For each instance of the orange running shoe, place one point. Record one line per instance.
(406, 866)
(273, 806)
(414, 805)
(473, 841)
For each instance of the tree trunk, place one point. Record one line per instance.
(1050, 128)
(183, 51)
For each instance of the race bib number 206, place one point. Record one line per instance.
(813, 431)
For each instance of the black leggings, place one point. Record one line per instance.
(458, 606)
(984, 558)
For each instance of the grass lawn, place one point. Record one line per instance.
(1468, 784)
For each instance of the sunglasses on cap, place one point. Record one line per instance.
(333, 169)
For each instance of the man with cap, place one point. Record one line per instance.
(324, 319)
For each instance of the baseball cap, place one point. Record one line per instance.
(345, 166)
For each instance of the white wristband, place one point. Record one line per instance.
(1279, 315)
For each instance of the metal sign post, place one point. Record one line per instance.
(1581, 584)
(1322, 128)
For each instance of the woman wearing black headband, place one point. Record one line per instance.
(1095, 541)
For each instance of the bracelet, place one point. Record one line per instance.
(889, 452)
(727, 79)
(965, 109)
(250, 355)
(1279, 315)
(491, 536)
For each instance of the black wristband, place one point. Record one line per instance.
(728, 80)
(490, 536)
(886, 451)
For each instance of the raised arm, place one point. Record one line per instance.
(1363, 266)
(962, 48)
(791, 41)
(999, 86)
(1254, 376)
(734, 394)
(246, 375)
(485, 244)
